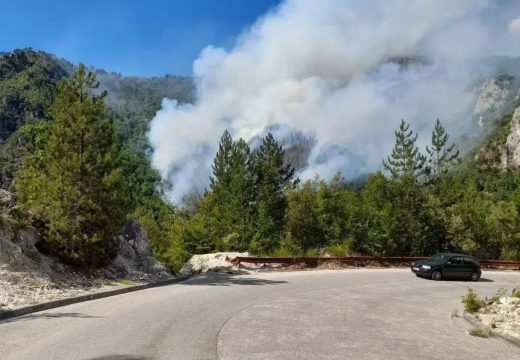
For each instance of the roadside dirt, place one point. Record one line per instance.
(502, 316)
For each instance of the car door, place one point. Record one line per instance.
(453, 267)
(468, 266)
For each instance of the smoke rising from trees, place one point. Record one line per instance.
(344, 72)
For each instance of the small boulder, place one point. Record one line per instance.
(203, 263)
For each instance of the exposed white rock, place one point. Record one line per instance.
(510, 158)
(210, 262)
(503, 316)
(497, 96)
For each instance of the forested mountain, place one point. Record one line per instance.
(28, 81)
(83, 190)
(52, 137)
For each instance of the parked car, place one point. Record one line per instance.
(448, 265)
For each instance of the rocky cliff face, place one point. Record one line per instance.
(498, 95)
(510, 158)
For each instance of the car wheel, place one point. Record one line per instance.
(475, 276)
(436, 275)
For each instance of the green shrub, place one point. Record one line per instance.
(339, 249)
(500, 293)
(282, 252)
(336, 250)
(515, 293)
(126, 282)
(310, 252)
(471, 301)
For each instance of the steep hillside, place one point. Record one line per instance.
(28, 81)
(498, 113)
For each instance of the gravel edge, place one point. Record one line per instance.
(475, 322)
(8, 314)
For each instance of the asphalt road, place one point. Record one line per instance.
(345, 314)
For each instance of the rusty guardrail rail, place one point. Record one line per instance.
(360, 261)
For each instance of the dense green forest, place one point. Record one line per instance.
(427, 203)
(76, 157)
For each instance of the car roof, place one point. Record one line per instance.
(456, 254)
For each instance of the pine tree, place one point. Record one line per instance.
(240, 197)
(405, 162)
(221, 164)
(442, 156)
(215, 211)
(230, 188)
(270, 177)
(73, 181)
(410, 233)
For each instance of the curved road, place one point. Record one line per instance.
(345, 314)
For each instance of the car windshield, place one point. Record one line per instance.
(438, 258)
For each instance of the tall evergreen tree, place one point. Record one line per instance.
(228, 203)
(406, 165)
(405, 162)
(270, 176)
(73, 181)
(240, 197)
(442, 156)
(216, 201)
(221, 164)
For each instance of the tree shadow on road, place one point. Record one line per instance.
(46, 315)
(220, 279)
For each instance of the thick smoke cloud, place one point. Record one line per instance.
(333, 69)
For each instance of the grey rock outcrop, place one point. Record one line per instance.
(510, 158)
(135, 259)
(498, 95)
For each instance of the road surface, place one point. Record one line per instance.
(344, 314)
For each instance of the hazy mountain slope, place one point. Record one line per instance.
(28, 80)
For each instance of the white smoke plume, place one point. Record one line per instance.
(514, 26)
(325, 68)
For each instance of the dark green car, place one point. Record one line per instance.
(448, 265)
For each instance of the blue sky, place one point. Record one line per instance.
(134, 37)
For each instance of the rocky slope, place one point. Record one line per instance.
(28, 276)
(510, 157)
(498, 95)
(497, 111)
(502, 316)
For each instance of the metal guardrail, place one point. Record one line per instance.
(497, 264)
(360, 261)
